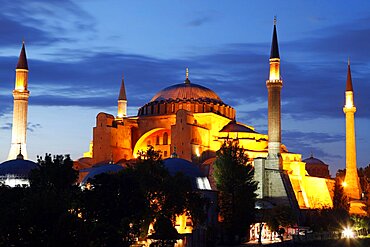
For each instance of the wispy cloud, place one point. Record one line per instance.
(199, 21)
(42, 22)
(32, 127)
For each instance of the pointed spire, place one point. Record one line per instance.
(22, 61)
(349, 86)
(274, 45)
(122, 91)
(20, 155)
(187, 81)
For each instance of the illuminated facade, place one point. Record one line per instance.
(194, 121)
(20, 94)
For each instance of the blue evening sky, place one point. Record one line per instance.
(78, 49)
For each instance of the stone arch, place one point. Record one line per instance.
(141, 144)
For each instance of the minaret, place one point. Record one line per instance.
(274, 85)
(122, 101)
(20, 94)
(352, 184)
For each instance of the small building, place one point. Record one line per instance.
(316, 167)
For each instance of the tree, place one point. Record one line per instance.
(53, 204)
(279, 216)
(44, 214)
(165, 232)
(168, 196)
(119, 205)
(340, 200)
(234, 181)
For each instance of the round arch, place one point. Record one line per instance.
(142, 143)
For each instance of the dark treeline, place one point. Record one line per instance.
(55, 211)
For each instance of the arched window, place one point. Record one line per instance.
(157, 140)
(165, 138)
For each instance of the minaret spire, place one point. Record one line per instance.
(274, 47)
(349, 86)
(352, 188)
(22, 60)
(274, 85)
(122, 100)
(20, 95)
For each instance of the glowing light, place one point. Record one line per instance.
(344, 184)
(197, 153)
(348, 233)
(203, 183)
(274, 69)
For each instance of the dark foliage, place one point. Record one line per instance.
(234, 180)
(54, 211)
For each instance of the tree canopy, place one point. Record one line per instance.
(55, 211)
(234, 180)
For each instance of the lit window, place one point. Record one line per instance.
(203, 183)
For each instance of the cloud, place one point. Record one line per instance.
(199, 21)
(6, 126)
(312, 88)
(30, 126)
(33, 126)
(309, 142)
(42, 22)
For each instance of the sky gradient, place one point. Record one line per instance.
(78, 50)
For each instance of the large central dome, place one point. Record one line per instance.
(188, 96)
(186, 91)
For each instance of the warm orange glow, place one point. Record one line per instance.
(122, 109)
(183, 224)
(274, 69)
(21, 79)
(349, 99)
(311, 192)
(155, 138)
(89, 154)
(344, 184)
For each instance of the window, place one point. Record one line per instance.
(165, 153)
(165, 138)
(157, 140)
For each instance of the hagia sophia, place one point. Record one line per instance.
(192, 122)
